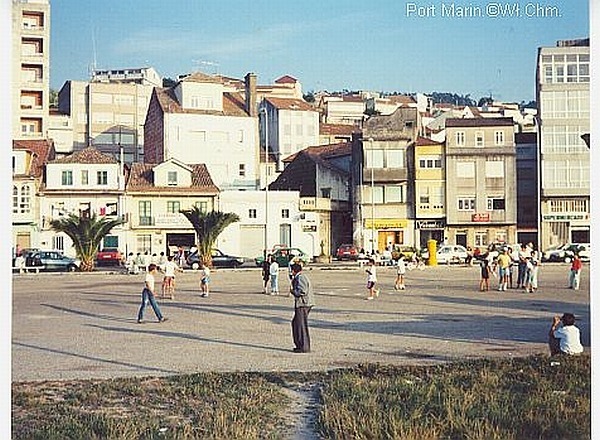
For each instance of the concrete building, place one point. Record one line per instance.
(29, 158)
(109, 111)
(382, 181)
(30, 68)
(83, 183)
(481, 181)
(430, 191)
(287, 126)
(154, 195)
(196, 121)
(267, 218)
(527, 187)
(563, 97)
(343, 109)
(321, 175)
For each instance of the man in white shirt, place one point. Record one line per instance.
(564, 336)
(274, 274)
(148, 295)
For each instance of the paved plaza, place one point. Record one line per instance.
(78, 325)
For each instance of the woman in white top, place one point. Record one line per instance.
(372, 279)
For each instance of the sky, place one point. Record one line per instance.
(382, 45)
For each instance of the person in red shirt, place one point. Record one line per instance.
(575, 273)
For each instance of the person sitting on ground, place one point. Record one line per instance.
(564, 336)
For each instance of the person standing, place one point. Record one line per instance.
(303, 303)
(148, 295)
(265, 272)
(575, 273)
(371, 279)
(168, 284)
(564, 336)
(503, 267)
(274, 276)
(204, 280)
(484, 282)
(400, 272)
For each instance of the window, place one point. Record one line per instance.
(465, 170)
(430, 162)
(424, 196)
(466, 203)
(145, 212)
(495, 203)
(460, 138)
(242, 170)
(376, 191)
(85, 209)
(111, 209)
(479, 139)
(494, 168)
(172, 178)
(326, 193)
(67, 178)
(481, 239)
(285, 213)
(58, 242)
(102, 177)
(15, 199)
(173, 207)
(25, 200)
(202, 206)
(499, 138)
(374, 158)
(144, 243)
(395, 159)
(394, 194)
(84, 177)
(252, 213)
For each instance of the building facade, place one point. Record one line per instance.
(563, 97)
(30, 68)
(481, 182)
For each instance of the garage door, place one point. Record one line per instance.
(252, 240)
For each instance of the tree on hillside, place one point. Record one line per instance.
(86, 233)
(208, 226)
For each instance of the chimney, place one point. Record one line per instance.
(250, 83)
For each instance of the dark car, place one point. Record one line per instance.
(52, 261)
(109, 256)
(219, 259)
(346, 252)
(284, 255)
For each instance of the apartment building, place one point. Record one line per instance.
(287, 126)
(30, 68)
(430, 191)
(382, 181)
(109, 111)
(29, 157)
(563, 97)
(154, 195)
(197, 121)
(481, 181)
(84, 183)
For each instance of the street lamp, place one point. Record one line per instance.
(372, 199)
(263, 111)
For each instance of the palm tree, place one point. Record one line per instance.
(208, 226)
(86, 233)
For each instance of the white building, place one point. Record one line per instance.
(267, 218)
(196, 121)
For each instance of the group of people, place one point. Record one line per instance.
(527, 261)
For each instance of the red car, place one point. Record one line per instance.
(347, 252)
(109, 256)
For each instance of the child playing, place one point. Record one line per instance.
(371, 279)
(400, 271)
(204, 280)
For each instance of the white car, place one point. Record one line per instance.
(450, 253)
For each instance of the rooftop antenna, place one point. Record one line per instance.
(94, 65)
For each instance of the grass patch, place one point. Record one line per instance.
(523, 398)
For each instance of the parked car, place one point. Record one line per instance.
(284, 255)
(219, 259)
(449, 253)
(109, 256)
(564, 253)
(53, 261)
(347, 252)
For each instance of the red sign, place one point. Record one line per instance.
(480, 217)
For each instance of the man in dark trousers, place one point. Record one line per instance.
(303, 302)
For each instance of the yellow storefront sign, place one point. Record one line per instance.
(385, 223)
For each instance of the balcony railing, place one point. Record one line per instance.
(146, 221)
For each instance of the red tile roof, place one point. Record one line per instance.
(324, 151)
(422, 141)
(290, 104)
(141, 179)
(87, 155)
(286, 79)
(233, 104)
(42, 150)
(402, 99)
(337, 129)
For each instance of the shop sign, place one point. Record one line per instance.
(430, 224)
(563, 217)
(385, 223)
(172, 220)
(480, 217)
